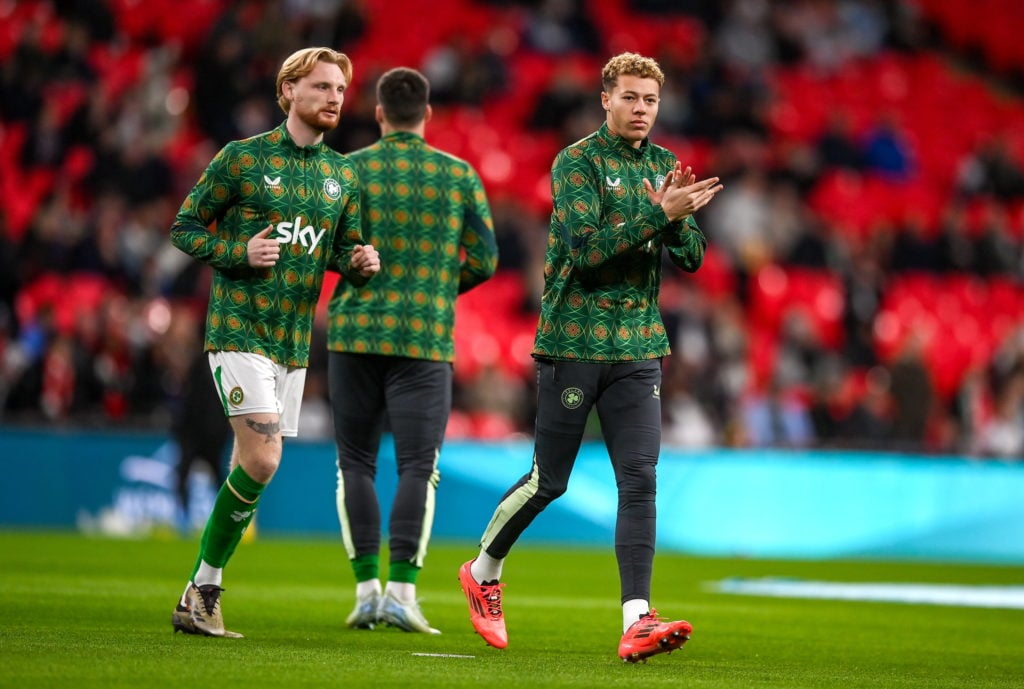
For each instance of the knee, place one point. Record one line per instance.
(421, 468)
(639, 479)
(547, 492)
(261, 465)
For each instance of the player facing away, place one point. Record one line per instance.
(618, 202)
(391, 343)
(286, 208)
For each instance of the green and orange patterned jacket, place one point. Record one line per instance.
(310, 195)
(602, 272)
(427, 214)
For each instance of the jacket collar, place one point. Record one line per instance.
(404, 137)
(289, 143)
(622, 146)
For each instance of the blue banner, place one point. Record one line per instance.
(776, 504)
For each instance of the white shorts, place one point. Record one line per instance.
(253, 384)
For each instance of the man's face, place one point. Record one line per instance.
(317, 97)
(632, 107)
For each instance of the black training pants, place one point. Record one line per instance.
(628, 400)
(413, 397)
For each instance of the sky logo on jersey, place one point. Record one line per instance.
(297, 233)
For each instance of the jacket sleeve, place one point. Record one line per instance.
(349, 232)
(686, 244)
(209, 200)
(477, 244)
(576, 196)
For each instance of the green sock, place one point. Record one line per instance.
(366, 567)
(232, 511)
(403, 572)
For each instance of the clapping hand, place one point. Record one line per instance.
(680, 195)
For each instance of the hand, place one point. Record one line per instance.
(679, 201)
(262, 252)
(677, 177)
(365, 260)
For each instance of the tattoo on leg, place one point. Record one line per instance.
(270, 429)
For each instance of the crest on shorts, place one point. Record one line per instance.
(332, 188)
(236, 396)
(572, 398)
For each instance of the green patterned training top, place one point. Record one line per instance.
(310, 195)
(602, 269)
(426, 213)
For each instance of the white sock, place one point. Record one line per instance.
(403, 591)
(208, 575)
(367, 588)
(486, 568)
(633, 610)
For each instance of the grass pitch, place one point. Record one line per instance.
(88, 612)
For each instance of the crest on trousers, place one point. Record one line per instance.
(572, 398)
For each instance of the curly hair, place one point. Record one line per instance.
(633, 65)
(302, 62)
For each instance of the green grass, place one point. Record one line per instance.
(87, 612)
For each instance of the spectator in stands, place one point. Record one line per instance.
(810, 247)
(264, 292)
(561, 101)
(687, 424)
(972, 411)
(913, 394)
(24, 76)
(887, 150)
(954, 243)
(800, 351)
(335, 23)
(830, 400)
(741, 223)
(1002, 434)
(460, 71)
(996, 251)
(992, 406)
(47, 142)
(869, 423)
(778, 416)
(198, 426)
(991, 169)
(863, 287)
(391, 343)
(745, 41)
(837, 146)
(559, 27)
(618, 201)
(914, 246)
(222, 81)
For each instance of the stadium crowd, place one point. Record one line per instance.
(865, 282)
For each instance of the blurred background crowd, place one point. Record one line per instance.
(864, 285)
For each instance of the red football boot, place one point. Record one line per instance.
(649, 636)
(484, 608)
